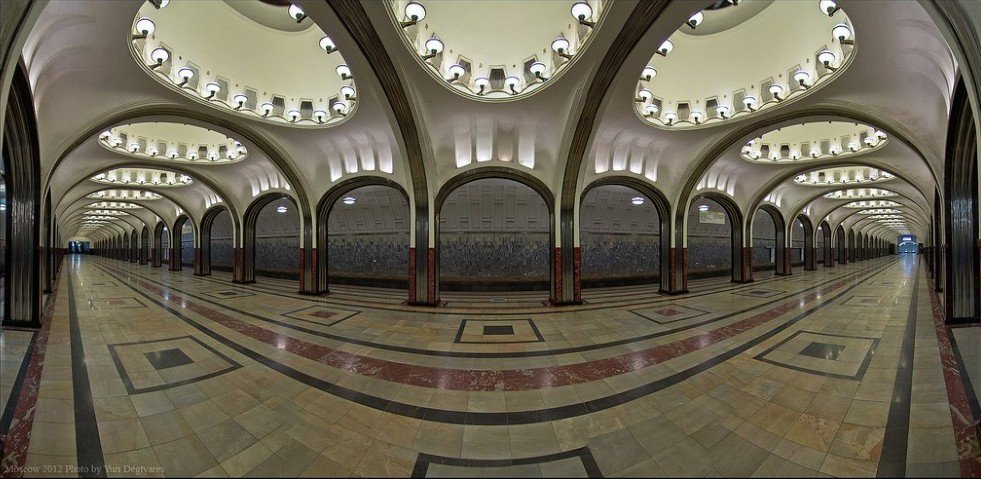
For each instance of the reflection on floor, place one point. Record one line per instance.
(840, 371)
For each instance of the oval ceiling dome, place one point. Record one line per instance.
(735, 59)
(175, 142)
(813, 141)
(496, 51)
(230, 55)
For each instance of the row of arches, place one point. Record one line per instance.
(512, 248)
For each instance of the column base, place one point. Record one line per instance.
(243, 282)
(435, 304)
(962, 320)
(202, 274)
(552, 302)
(672, 293)
(743, 281)
(778, 274)
(314, 293)
(22, 325)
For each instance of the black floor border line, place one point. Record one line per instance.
(499, 355)
(424, 460)
(494, 418)
(88, 444)
(8, 411)
(892, 460)
(520, 310)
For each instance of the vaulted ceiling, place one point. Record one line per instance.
(111, 105)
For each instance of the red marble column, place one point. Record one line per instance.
(677, 271)
(747, 265)
(302, 267)
(175, 262)
(788, 261)
(238, 272)
(198, 266)
(556, 275)
(577, 275)
(431, 296)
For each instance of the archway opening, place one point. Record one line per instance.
(221, 241)
(494, 235)
(764, 242)
(277, 240)
(368, 238)
(709, 240)
(797, 243)
(619, 237)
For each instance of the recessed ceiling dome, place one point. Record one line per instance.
(173, 142)
(113, 205)
(814, 141)
(846, 175)
(860, 193)
(237, 59)
(880, 211)
(106, 213)
(872, 204)
(726, 64)
(124, 195)
(499, 50)
(142, 177)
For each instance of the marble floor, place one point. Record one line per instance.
(844, 371)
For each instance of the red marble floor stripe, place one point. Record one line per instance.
(965, 424)
(18, 438)
(488, 380)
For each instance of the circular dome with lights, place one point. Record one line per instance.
(726, 64)
(847, 175)
(142, 177)
(173, 142)
(813, 141)
(856, 193)
(107, 212)
(500, 50)
(112, 205)
(232, 55)
(124, 195)
(872, 204)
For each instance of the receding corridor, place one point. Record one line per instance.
(840, 371)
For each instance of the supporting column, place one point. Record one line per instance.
(198, 267)
(746, 265)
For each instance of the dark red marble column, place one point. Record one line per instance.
(746, 265)
(412, 275)
(238, 269)
(198, 265)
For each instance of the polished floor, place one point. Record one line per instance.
(843, 371)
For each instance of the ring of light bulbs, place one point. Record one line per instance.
(534, 76)
(112, 139)
(875, 139)
(804, 78)
(865, 204)
(843, 176)
(857, 193)
(124, 195)
(156, 60)
(142, 177)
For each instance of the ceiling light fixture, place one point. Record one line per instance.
(414, 12)
(434, 46)
(561, 46)
(648, 73)
(512, 83)
(703, 207)
(344, 71)
(697, 117)
(750, 102)
(456, 71)
(650, 110)
(320, 115)
(159, 56)
(328, 45)
(538, 69)
(637, 200)
(776, 90)
(240, 100)
(843, 33)
(281, 209)
(644, 96)
(146, 27)
(481, 83)
(184, 74)
(212, 89)
(296, 13)
(347, 91)
(802, 78)
(695, 20)
(293, 115)
(583, 12)
(266, 108)
(722, 111)
(348, 200)
(827, 57)
(828, 7)
(665, 48)
(339, 107)
(670, 117)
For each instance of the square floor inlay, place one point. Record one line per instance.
(822, 350)
(116, 303)
(229, 294)
(668, 313)
(843, 357)
(866, 301)
(323, 315)
(168, 358)
(498, 331)
(759, 293)
(154, 365)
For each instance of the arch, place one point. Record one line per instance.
(960, 269)
(660, 202)
(156, 256)
(782, 257)
(324, 207)
(134, 254)
(827, 248)
(145, 245)
(246, 256)
(741, 265)
(22, 171)
(810, 252)
(177, 242)
(202, 253)
(503, 173)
